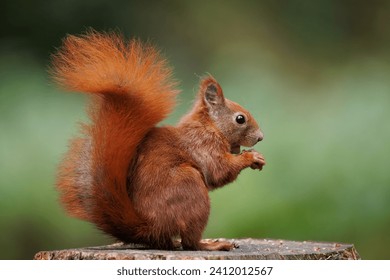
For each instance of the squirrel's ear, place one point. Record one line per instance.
(212, 92)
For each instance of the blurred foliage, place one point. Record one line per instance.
(314, 73)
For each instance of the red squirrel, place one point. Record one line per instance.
(134, 180)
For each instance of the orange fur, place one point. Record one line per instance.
(135, 181)
(128, 80)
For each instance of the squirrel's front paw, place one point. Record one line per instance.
(258, 160)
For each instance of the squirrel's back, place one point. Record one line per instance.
(132, 91)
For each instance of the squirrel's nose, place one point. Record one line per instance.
(260, 136)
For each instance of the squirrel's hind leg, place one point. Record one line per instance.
(216, 245)
(189, 205)
(195, 214)
(212, 245)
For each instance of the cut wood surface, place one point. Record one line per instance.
(249, 249)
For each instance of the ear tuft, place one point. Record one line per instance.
(211, 88)
(212, 92)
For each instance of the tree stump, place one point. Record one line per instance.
(249, 249)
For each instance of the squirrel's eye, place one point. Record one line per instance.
(240, 119)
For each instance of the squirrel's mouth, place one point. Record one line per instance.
(236, 149)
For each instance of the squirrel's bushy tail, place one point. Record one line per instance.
(132, 91)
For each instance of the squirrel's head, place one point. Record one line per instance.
(235, 123)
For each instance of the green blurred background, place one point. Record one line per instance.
(315, 74)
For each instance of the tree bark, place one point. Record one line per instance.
(249, 249)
